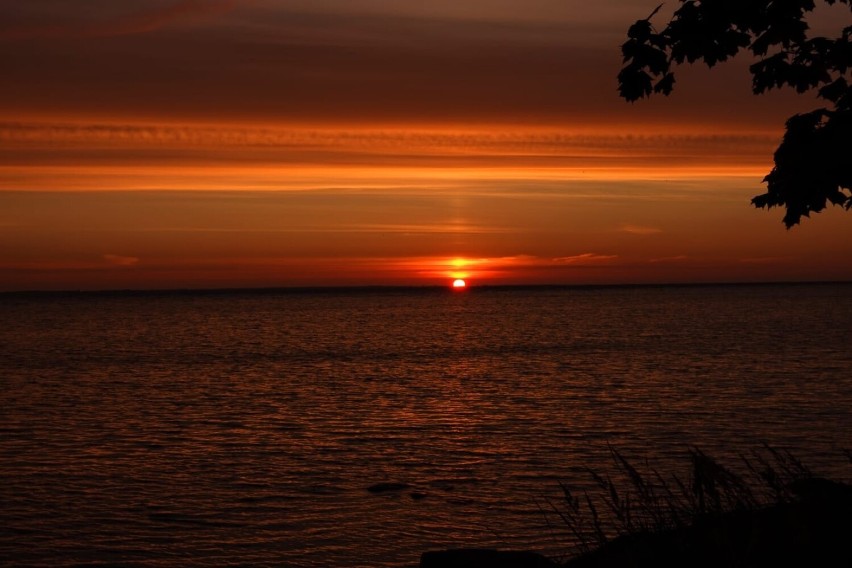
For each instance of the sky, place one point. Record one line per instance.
(261, 143)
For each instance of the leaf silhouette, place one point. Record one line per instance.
(812, 164)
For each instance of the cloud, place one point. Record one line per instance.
(670, 259)
(527, 141)
(545, 149)
(765, 260)
(269, 60)
(436, 228)
(140, 22)
(120, 260)
(585, 258)
(640, 230)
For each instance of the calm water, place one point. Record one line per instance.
(224, 429)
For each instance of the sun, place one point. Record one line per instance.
(459, 284)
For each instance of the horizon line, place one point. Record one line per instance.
(368, 288)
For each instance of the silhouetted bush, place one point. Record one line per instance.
(776, 513)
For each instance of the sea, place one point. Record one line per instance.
(363, 427)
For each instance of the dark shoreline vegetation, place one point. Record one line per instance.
(380, 289)
(776, 513)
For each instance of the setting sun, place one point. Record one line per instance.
(459, 284)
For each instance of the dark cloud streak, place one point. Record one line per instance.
(141, 21)
(265, 64)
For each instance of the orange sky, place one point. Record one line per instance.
(193, 143)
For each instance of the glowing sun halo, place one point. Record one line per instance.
(459, 284)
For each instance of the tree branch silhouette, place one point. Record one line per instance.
(813, 163)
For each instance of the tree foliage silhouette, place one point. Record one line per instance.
(813, 163)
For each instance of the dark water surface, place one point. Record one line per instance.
(240, 428)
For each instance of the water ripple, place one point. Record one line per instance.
(243, 429)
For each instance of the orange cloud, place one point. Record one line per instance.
(585, 258)
(490, 268)
(45, 156)
(640, 230)
(119, 260)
